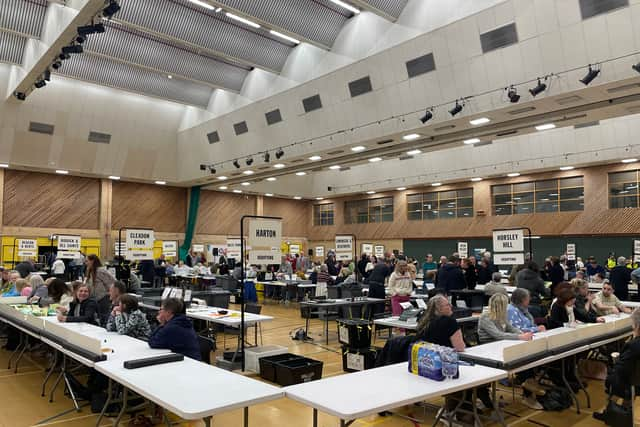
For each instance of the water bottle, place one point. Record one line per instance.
(449, 363)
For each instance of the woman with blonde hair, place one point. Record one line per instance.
(400, 287)
(494, 325)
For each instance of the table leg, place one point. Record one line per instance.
(24, 339)
(315, 417)
(306, 324)
(52, 367)
(55, 385)
(123, 408)
(577, 375)
(15, 352)
(474, 396)
(496, 405)
(71, 393)
(568, 386)
(207, 421)
(245, 416)
(106, 404)
(326, 327)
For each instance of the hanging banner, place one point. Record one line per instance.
(198, 248)
(234, 247)
(378, 251)
(571, 251)
(320, 251)
(508, 259)
(463, 249)
(68, 246)
(27, 247)
(367, 248)
(170, 248)
(508, 241)
(139, 244)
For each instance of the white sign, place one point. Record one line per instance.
(169, 248)
(636, 247)
(139, 244)
(344, 244)
(320, 251)
(265, 233)
(27, 247)
(198, 248)
(355, 361)
(234, 247)
(571, 251)
(69, 243)
(378, 251)
(367, 248)
(294, 249)
(508, 259)
(120, 248)
(463, 249)
(261, 257)
(508, 241)
(344, 256)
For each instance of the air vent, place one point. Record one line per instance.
(590, 8)
(334, 153)
(240, 128)
(441, 128)
(420, 65)
(507, 132)
(360, 86)
(236, 174)
(623, 88)
(264, 168)
(312, 103)
(41, 128)
(587, 125)
(405, 157)
(99, 138)
(569, 118)
(386, 141)
(213, 137)
(521, 111)
(569, 100)
(482, 144)
(499, 38)
(273, 117)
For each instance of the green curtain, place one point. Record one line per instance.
(192, 216)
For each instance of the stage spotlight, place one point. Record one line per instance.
(249, 161)
(540, 87)
(279, 153)
(111, 10)
(21, 96)
(81, 39)
(212, 170)
(236, 164)
(85, 30)
(267, 157)
(40, 84)
(64, 56)
(203, 167)
(592, 74)
(74, 48)
(47, 75)
(636, 67)
(428, 115)
(455, 110)
(513, 96)
(56, 65)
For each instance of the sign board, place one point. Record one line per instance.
(68, 246)
(320, 251)
(344, 248)
(265, 233)
(262, 257)
(294, 249)
(139, 244)
(378, 251)
(508, 240)
(636, 247)
(463, 249)
(367, 248)
(27, 247)
(344, 256)
(169, 248)
(234, 247)
(571, 251)
(508, 259)
(198, 248)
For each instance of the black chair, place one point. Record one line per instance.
(207, 345)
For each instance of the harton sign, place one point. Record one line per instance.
(265, 233)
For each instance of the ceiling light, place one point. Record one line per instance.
(346, 6)
(266, 157)
(284, 37)
(358, 148)
(567, 168)
(161, 182)
(476, 179)
(471, 141)
(401, 188)
(169, 76)
(546, 126)
(428, 115)
(512, 94)
(243, 20)
(62, 172)
(334, 167)
(629, 160)
(315, 158)
(413, 152)
(249, 161)
(269, 194)
(411, 136)
(480, 121)
(436, 184)
(278, 165)
(279, 153)
(592, 74)
(74, 48)
(4, 165)
(249, 172)
(456, 109)
(113, 177)
(111, 10)
(245, 184)
(222, 177)
(301, 173)
(540, 87)
(375, 159)
(236, 163)
(513, 174)
(237, 191)
(271, 178)
(297, 197)
(319, 198)
(371, 192)
(203, 4)
(223, 187)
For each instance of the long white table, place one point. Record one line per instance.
(231, 318)
(364, 393)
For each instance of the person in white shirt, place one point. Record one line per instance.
(400, 287)
(58, 268)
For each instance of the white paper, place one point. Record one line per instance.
(421, 303)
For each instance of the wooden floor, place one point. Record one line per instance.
(21, 404)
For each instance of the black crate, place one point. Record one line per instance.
(268, 365)
(304, 312)
(352, 360)
(356, 333)
(297, 371)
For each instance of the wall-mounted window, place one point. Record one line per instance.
(323, 214)
(551, 195)
(440, 205)
(623, 189)
(368, 211)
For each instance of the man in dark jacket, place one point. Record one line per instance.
(619, 277)
(376, 280)
(25, 268)
(176, 331)
(450, 276)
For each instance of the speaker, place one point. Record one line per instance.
(329, 188)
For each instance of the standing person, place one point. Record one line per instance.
(484, 274)
(82, 309)
(428, 265)
(331, 264)
(176, 331)
(58, 268)
(128, 319)
(400, 287)
(98, 278)
(470, 274)
(556, 274)
(450, 276)
(377, 279)
(619, 277)
(362, 265)
(529, 279)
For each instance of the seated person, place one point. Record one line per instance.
(518, 312)
(108, 304)
(128, 319)
(83, 308)
(345, 277)
(584, 300)
(38, 288)
(495, 286)
(59, 293)
(10, 287)
(437, 325)
(22, 286)
(563, 311)
(176, 331)
(607, 303)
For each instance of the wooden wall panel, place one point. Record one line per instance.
(53, 201)
(143, 205)
(220, 213)
(295, 215)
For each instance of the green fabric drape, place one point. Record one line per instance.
(192, 216)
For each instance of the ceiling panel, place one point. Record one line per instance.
(182, 20)
(103, 71)
(158, 54)
(390, 7)
(11, 48)
(23, 16)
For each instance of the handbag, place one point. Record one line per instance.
(617, 415)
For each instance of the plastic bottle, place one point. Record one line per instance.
(449, 363)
